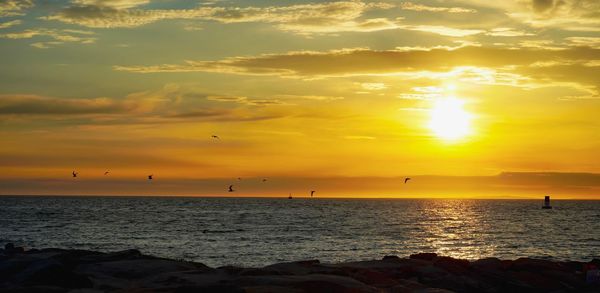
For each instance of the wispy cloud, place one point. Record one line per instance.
(58, 36)
(10, 23)
(363, 61)
(480, 65)
(443, 30)
(117, 4)
(246, 100)
(14, 7)
(39, 105)
(303, 18)
(572, 15)
(421, 7)
(508, 32)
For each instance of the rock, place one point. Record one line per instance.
(58, 270)
(390, 257)
(452, 265)
(533, 265)
(51, 273)
(10, 248)
(487, 264)
(296, 268)
(424, 256)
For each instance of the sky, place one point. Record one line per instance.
(469, 98)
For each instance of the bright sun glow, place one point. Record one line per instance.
(449, 120)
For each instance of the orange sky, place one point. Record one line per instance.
(351, 96)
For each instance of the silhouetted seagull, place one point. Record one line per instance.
(75, 174)
(231, 188)
(311, 193)
(150, 176)
(406, 179)
(106, 173)
(215, 137)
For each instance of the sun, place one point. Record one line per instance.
(449, 120)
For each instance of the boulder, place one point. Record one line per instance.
(424, 256)
(51, 273)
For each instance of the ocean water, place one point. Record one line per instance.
(261, 231)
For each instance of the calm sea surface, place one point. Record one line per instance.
(260, 231)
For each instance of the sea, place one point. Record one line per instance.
(255, 232)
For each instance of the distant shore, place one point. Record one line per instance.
(60, 270)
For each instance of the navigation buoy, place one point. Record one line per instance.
(546, 203)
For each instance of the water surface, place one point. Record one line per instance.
(261, 231)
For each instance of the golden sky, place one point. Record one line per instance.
(470, 98)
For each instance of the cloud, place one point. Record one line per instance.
(542, 5)
(421, 7)
(443, 30)
(373, 86)
(303, 18)
(39, 105)
(363, 61)
(507, 32)
(245, 100)
(58, 36)
(572, 15)
(9, 23)
(171, 104)
(593, 42)
(479, 65)
(309, 97)
(14, 7)
(117, 4)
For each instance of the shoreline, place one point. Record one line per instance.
(61, 270)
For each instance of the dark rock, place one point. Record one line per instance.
(210, 288)
(424, 256)
(487, 264)
(57, 270)
(452, 265)
(533, 265)
(52, 273)
(10, 248)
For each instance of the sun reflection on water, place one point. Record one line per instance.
(455, 228)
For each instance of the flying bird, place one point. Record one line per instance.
(106, 173)
(231, 188)
(215, 136)
(406, 179)
(74, 174)
(312, 192)
(150, 176)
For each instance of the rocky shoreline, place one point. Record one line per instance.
(59, 270)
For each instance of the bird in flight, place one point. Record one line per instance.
(74, 174)
(312, 192)
(215, 136)
(406, 179)
(231, 188)
(150, 176)
(106, 173)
